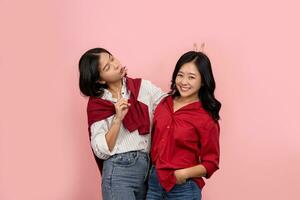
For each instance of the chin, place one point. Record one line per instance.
(123, 76)
(187, 95)
(183, 94)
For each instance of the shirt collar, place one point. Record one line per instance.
(107, 95)
(191, 106)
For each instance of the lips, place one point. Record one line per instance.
(184, 89)
(123, 70)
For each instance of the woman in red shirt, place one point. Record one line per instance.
(185, 143)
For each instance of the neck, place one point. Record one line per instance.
(181, 99)
(115, 87)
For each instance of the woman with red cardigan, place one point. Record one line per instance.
(185, 137)
(120, 111)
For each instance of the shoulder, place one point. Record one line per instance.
(148, 88)
(146, 84)
(203, 119)
(209, 124)
(164, 104)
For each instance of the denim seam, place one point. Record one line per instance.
(111, 180)
(148, 169)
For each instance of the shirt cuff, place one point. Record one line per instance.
(210, 168)
(100, 147)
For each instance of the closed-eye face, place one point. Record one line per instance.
(110, 68)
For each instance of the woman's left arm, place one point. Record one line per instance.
(209, 156)
(183, 174)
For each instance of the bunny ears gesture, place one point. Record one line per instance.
(197, 49)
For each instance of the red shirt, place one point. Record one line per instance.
(183, 139)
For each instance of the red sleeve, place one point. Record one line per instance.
(210, 148)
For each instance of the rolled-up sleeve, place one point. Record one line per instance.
(98, 141)
(210, 148)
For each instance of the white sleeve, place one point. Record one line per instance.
(156, 94)
(98, 141)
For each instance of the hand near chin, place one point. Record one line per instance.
(121, 107)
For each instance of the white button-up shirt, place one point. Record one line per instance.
(127, 141)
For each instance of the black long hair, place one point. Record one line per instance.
(206, 92)
(89, 73)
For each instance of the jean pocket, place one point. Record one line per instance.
(185, 184)
(125, 161)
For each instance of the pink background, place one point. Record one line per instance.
(254, 48)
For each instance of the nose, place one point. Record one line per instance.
(115, 64)
(184, 81)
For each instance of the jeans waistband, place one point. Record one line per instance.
(131, 154)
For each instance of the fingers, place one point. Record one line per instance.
(121, 103)
(126, 70)
(124, 104)
(180, 181)
(122, 100)
(123, 107)
(197, 49)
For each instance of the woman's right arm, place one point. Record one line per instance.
(112, 135)
(121, 108)
(105, 134)
(98, 140)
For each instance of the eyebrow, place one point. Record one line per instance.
(192, 74)
(188, 73)
(105, 66)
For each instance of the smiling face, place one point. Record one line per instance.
(110, 69)
(188, 81)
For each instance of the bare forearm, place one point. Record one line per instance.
(196, 171)
(112, 135)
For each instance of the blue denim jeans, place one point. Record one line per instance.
(124, 176)
(186, 191)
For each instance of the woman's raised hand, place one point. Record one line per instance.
(121, 106)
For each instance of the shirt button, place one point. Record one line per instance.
(168, 126)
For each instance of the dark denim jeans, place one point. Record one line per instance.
(186, 191)
(124, 176)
